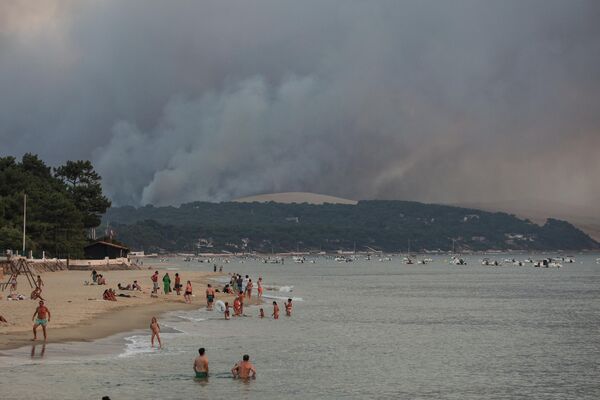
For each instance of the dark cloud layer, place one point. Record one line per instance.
(454, 101)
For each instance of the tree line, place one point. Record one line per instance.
(63, 203)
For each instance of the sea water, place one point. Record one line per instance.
(359, 330)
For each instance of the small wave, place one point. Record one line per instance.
(137, 344)
(268, 296)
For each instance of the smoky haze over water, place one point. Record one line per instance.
(454, 101)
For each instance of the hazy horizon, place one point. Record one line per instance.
(462, 102)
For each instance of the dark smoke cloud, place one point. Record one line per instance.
(454, 101)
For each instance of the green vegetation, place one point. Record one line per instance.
(61, 204)
(380, 225)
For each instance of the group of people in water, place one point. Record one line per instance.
(243, 369)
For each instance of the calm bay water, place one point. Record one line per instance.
(359, 330)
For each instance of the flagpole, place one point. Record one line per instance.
(24, 219)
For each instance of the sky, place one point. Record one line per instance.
(437, 101)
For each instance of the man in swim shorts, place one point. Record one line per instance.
(210, 297)
(244, 369)
(41, 316)
(201, 364)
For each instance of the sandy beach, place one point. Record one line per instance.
(80, 314)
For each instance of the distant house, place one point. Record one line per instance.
(100, 250)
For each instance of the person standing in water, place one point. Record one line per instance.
(288, 308)
(41, 316)
(226, 310)
(259, 287)
(244, 369)
(167, 283)
(155, 328)
(201, 364)
(210, 297)
(249, 286)
(275, 310)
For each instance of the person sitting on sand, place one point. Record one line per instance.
(136, 286)
(121, 287)
(201, 364)
(155, 328)
(37, 294)
(244, 369)
(188, 292)
(275, 310)
(101, 280)
(41, 316)
(109, 295)
(288, 308)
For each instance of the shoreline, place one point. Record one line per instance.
(103, 325)
(79, 314)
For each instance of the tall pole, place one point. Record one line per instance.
(24, 219)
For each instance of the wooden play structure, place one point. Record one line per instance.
(12, 268)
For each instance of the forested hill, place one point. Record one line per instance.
(380, 225)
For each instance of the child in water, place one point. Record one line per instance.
(155, 328)
(275, 310)
(262, 313)
(226, 310)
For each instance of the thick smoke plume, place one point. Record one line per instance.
(174, 101)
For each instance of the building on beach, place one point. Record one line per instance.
(100, 250)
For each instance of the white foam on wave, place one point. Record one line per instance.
(137, 344)
(269, 296)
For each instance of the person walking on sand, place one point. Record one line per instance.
(288, 308)
(188, 292)
(155, 282)
(167, 283)
(94, 276)
(201, 364)
(177, 284)
(41, 316)
(275, 310)
(155, 328)
(244, 369)
(210, 296)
